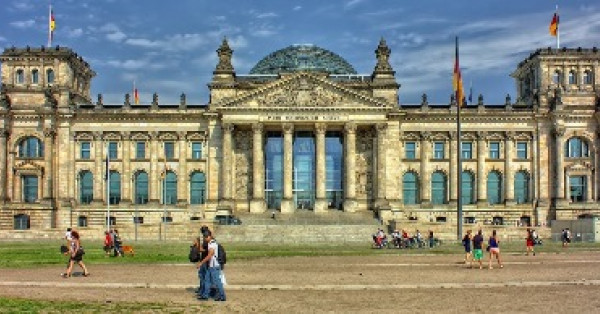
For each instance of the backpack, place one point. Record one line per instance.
(194, 255)
(221, 255)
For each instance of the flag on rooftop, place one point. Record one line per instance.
(457, 79)
(554, 25)
(51, 26)
(136, 95)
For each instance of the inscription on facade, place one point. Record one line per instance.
(295, 117)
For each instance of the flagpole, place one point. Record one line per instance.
(108, 186)
(49, 25)
(557, 29)
(459, 211)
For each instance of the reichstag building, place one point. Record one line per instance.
(301, 132)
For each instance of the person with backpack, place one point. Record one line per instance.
(213, 273)
(466, 242)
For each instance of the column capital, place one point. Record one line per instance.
(482, 135)
(153, 135)
(453, 135)
(3, 133)
(227, 127)
(426, 135)
(181, 135)
(126, 135)
(288, 128)
(320, 128)
(257, 127)
(48, 132)
(509, 135)
(97, 135)
(381, 128)
(350, 127)
(559, 131)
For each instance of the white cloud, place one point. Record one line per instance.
(128, 64)
(353, 3)
(22, 24)
(297, 8)
(2, 38)
(266, 15)
(74, 33)
(22, 5)
(116, 36)
(177, 42)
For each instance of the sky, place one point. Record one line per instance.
(168, 47)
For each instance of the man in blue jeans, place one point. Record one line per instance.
(213, 273)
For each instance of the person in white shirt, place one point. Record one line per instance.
(213, 275)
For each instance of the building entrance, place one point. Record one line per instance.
(304, 170)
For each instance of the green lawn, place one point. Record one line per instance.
(34, 253)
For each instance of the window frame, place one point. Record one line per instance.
(439, 150)
(197, 150)
(494, 150)
(466, 154)
(83, 150)
(522, 153)
(410, 150)
(140, 150)
(113, 150)
(169, 150)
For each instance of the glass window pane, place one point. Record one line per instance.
(494, 188)
(522, 150)
(578, 188)
(30, 189)
(115, 187)
(273, 169)
(438, 150)
(50, 76)
(140, 150)
(521, 187)
(438, 188)
(113, 152)
(410, 188)
(169, 150)
(494, 150)
(35, 76)
(170, 196)
(141, 188)
(86, 187)
(196, 150)
(410, 150)
(467, 152)
(334, 169)
(197, 188)
(467, 188)
(85, 150)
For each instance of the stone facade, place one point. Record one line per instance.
(531, 160)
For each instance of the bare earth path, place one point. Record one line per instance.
(377, 284)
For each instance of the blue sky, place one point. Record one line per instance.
(169, 46)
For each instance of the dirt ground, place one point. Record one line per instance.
(376, 284)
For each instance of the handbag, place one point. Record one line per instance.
(81, 251)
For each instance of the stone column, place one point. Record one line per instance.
(381, 164)
(287, 203)
(226, 167)
(508, 177)
(48, 171)
(155, 181)
(3, 165)
(321, 201)
(425, 177)
(560, 172)
(481, 174)
(258, 204)
(126, 177)
(350, 167)
(183, 186)
(455, 176)
(99, 149)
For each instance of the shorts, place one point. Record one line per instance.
(495, 250)
(477, 254)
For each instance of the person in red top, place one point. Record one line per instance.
(530, 242)
(108, 243)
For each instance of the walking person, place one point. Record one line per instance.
(75, 256)
(431, 239)
(494, 245)
(530, 242)
(108, 243)
(117, 243)
(477, 248)
(466, 241)
(213, 274)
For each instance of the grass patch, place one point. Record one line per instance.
(35, 253)
(17, 305)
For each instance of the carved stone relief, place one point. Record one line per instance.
(302, 92)
(364, 163)
(243, 164)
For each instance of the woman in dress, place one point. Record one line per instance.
(494, 249)
(76, 255)
(530, 242)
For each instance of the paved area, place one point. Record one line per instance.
(382, 284)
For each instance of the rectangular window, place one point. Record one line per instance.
(169, 150)
(196, 150)
(410, 150)
(113, 150)
(467, 150)
(438, 150)
(85, 150)
(494, 150)
(30, 189)
(521, 150)
(140, 150)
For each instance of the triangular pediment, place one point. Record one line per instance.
(303, 90)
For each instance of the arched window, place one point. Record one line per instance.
(50, 76)
(31, 147)
(587, 77)
(410, 186)
(197, 188)
(115, 187)
(170, 188)
(141, 188)
(438, 188)
(467, 187)
(30, 188)
(572, 77)
(576, 147)
(521, 187)
(20, 76)
(86, 187)
(556, 77)
(494, 188)
(35, 76)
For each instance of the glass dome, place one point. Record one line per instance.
(302, 58)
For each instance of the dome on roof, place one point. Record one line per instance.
(302, 58)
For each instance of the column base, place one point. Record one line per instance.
(350, 205)
(258, 206)
(287, 206)
(321, 205)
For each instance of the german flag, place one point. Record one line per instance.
(554, 25)
(457, 80)
(136, 96)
